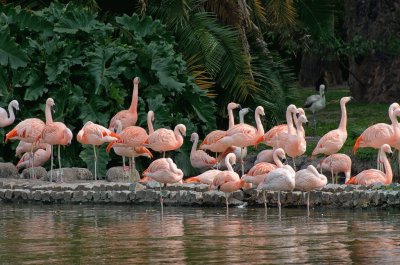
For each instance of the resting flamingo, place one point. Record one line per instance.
(228, 181)
(54, 133)
(95, 135)
(279, 179)
(381, 133)
(199, 158)
(307, 180)
(41, 157)
(206, 177)
(259, 171)
(374, 176)
(340, 163)
(8, 120)
(24, 147)
(164, 171)
(127, 117)
(333, 141)
(265, 156)
(295, 144)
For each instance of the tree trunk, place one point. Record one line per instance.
(375, 76)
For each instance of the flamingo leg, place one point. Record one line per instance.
(294, 164)
(241, 160)
(95, 162)
(123, 162)
(130, 167)
(279, 204)
(308, 204)
(163, 155)
(51, 163)
(33, 175)
(216, 156)
(59, 163)
(133, 169)
(265, 202)
(226, 200)
(161, 200)
(332, 169)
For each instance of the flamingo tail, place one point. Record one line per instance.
(352, 180)
(192, 180)
(10, 135)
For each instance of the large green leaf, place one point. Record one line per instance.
(87, 155)
(94, 111)
(10, 52)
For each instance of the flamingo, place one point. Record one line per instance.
(128, 117)
(259, 171)
(95, 135)
(295, 144)
(341, 163)
(41, 157)
(206, 177)
(24, 147)
(265, 156)
(316, 103)
(163, 170)
(307, 180)
(372, 176)
(333, 141)
(228, 181)
(272, 137)
(211, 141)
(133, 137)
(279, 179)
(381, 133)
(8, 120)
(163, 140)
(199, 158)
(54, 133)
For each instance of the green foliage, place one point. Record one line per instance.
(87, 65)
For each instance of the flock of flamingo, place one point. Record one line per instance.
(37, 139)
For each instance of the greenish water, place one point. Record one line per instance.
(54, 234)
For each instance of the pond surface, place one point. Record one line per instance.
(114, 234)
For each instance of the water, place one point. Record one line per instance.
(57, 234)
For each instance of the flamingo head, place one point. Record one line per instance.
(80, 136)
(136, 81)
(50, 102)
(233, 105)
(194, 137)
(14, 103)
(344, 100)
(260, 110)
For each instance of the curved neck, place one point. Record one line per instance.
(231, 118)
(241, 117)
(277, 160)
(260, 128)
(11, 114)
(388, 168)
(178, 134)
(47, 112)
(195, 142)
(150, 117)
(343, 119)
(135, 97)
(289, 121)
(395, 122)
(299, 129)
(313, 170)
(228, 163)
(173, 167)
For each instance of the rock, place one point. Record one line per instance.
(8, 170)
(118, 174)
(69, 175)
(40, 172)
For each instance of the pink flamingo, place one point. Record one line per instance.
(163, 140)
(333, 141)
(163, 170)
(372, 176)
(212, 140)
(265, 156)
(8, 120)
(295, 144)
(199, 158)
(279, 179)
(381, 133)
(128, 117)
(41, 157)
(271, 138)
(95, 135)
(54, 133)
(258, 172)
(341, 163)
(228, 181)
(307, 180)
(206, 177)
(24, 147)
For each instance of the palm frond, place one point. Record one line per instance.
(281, 13)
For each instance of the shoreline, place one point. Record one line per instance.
(189, 194)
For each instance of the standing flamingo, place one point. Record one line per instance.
(333, 141)
(316, 103)
(163, 140)
(41, 157)
(279, 179)
(381, 133)
(228, 181)
(307, 180)
(373, 176)
(8, 120)
(164, 171)
(128, 117)
(95, 135)
(259, 171)
(54, 133)
(295, 144)
(199, 158)
(341, 163)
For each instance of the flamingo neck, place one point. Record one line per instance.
(388, 168)
(195, 142)
(343, 119)
(178, 135)
(260, 128)
(150, 118)
(11, 117)
(135, 98)
(289, 121)
(47, 112)
(395, 122)
(300, 130)
(277, 161)
(241, 117)
(231, 118)
(228, 163)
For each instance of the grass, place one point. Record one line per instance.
(359, 117)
